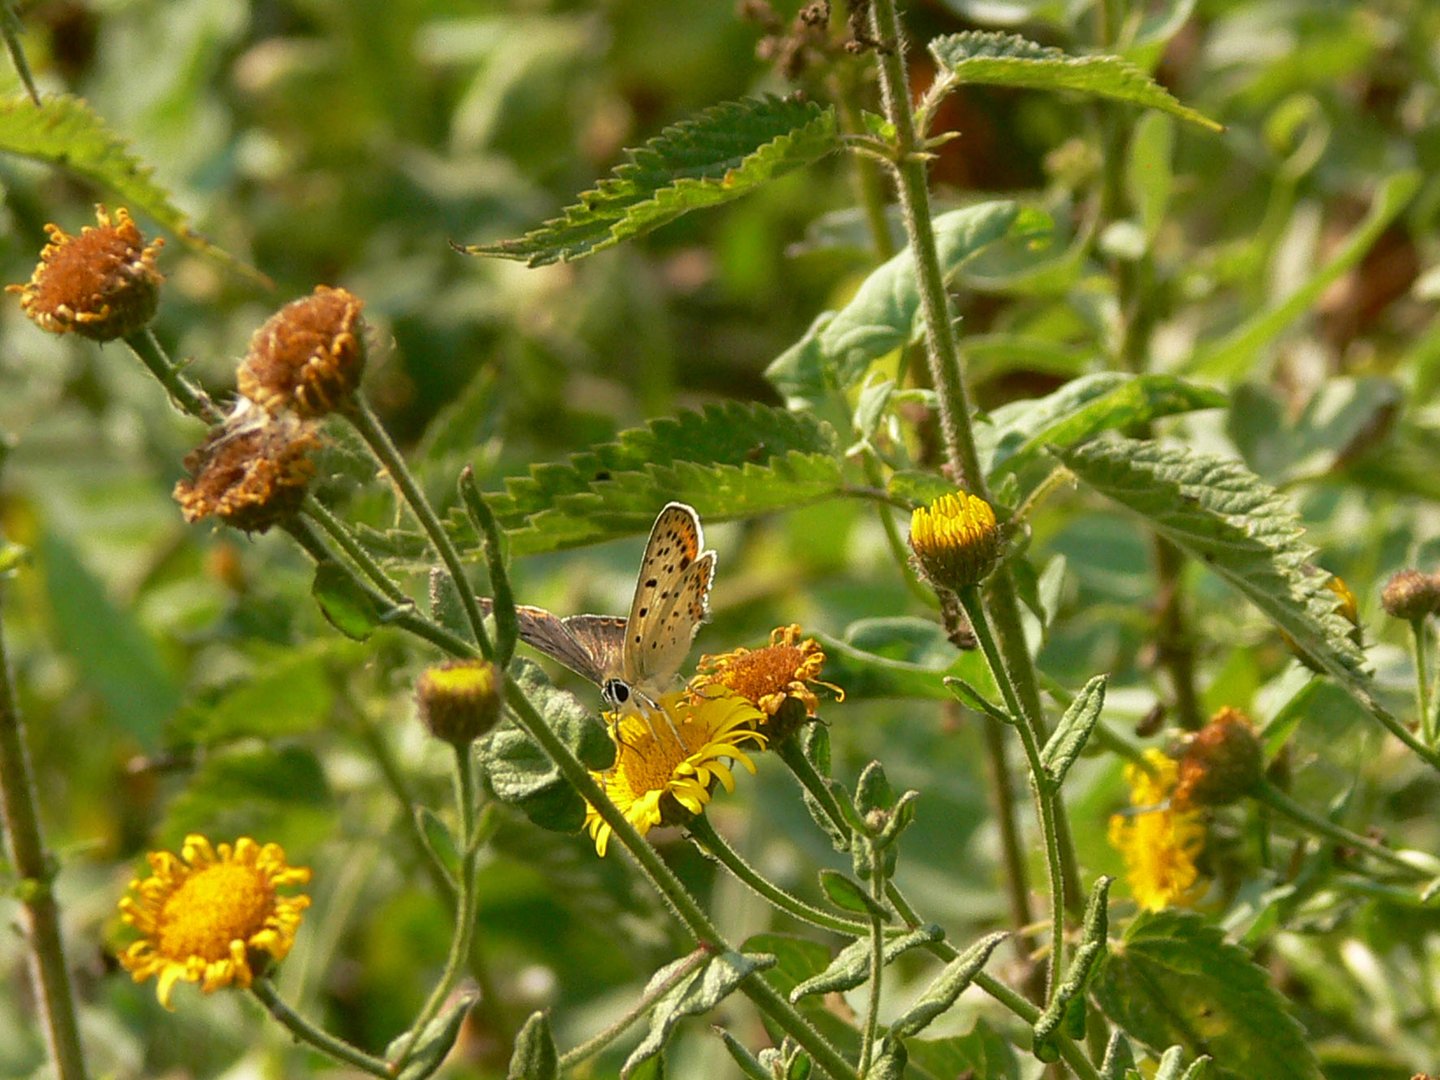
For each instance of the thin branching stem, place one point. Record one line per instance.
(264, 991)
(1271, 796)
(592, 1046)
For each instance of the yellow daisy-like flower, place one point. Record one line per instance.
(1159, 843)
(102, 284)
(672, 757)
(207, 916)
(955, 539)
(768, 677)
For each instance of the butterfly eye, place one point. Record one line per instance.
(616, 692)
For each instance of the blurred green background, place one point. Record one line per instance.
(177, 678)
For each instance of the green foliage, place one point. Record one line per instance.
(851, 966)
(984, 1053)
(1174, 980)
(536, 1057)
(949, 985)
(725, 152)
(978, 56)
(1070, 735)
(64, 131)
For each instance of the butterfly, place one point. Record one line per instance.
(636, 658)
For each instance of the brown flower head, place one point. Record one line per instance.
(102, 284)
(1411, 595)
(785, 670)
(1222, 762)
(250, 471)
(460, 699)
(308, 356)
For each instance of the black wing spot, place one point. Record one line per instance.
(652, 583)
(685, 561)
(637, 639)
(644, 611)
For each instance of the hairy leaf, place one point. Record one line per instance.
(1016, 437)
(997, 59)
(851, 965)
(436, 1040)
(983, 1054)
(723, 153)
(884, 314)
(951, 983)
(1068, 739)
(696, 993)
(1175, 980)
(536, 1057)
(1222, 514)
(64, 132)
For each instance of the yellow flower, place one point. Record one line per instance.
(672, 757)
(102, 284)
(1159, 843)
(955, 540)
(768, 677)
(208, 917)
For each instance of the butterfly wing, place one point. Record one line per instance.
(671, 599)
(588, 645)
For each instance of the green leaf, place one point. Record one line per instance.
(995, 59)
(1236, 351)
(1176, 981)
(522, 774)
(849, 895)
(851, 965)
(1119, 1059)
(536, 1056)
(344, 603)
(1341, 421)
(731, 460)
(745, 1061)
(439, 842)
(113, 654)
(64, 132)
(1220, 513)
(890, 1060)
(1070, 735)
(1016, 438)
(983, 1054)
(884, 314)
(437, 1040)
(725, 152)
(1148, 175)
(1069, 995)
(278, 793)
(289, 693)
(947, 987)
(873, 790)
(697, 994)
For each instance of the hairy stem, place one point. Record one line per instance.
(183, 392)
(264, 991)
(1271, 796)
(592, 1046)
(34, 867)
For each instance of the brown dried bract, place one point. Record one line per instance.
(102, 284)
(251, 472)
(308, 357)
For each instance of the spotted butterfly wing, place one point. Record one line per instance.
(671, 600)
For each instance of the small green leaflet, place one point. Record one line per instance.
(1174, 980)
(65, 132)
(996, 59)
(724, 152)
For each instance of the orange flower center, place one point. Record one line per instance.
(757, 675)
(215, 906)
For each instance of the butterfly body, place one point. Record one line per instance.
(637, 656)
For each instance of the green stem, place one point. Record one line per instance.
(1422, 680)
(877, 957)
(592, 1046)
(182, 391)
(373, 432)
(341, 534)
(306, 1032)
(789, 751)
(669, 887)
(1072, 1054)
(1017, 876)
(465, 798)
(1271, 796)
(710, 839)
(35, 869)
(1044, 794)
